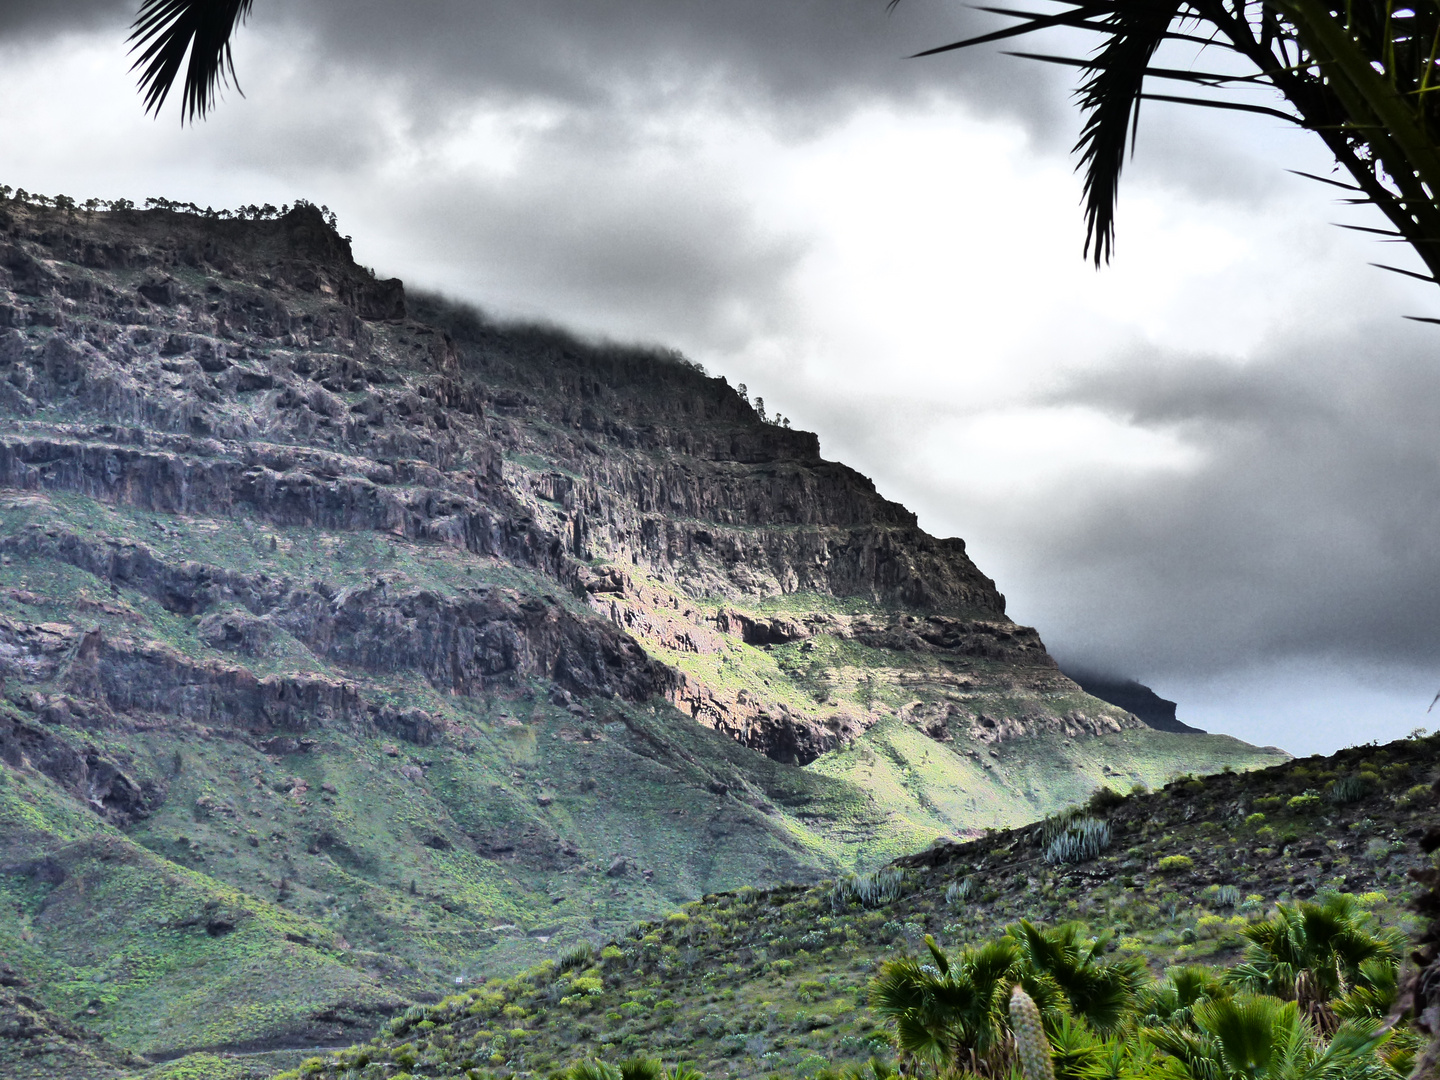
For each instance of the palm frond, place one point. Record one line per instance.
(1366, 82)
(166, 31)
(1110, 100)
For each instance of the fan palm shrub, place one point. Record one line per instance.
(593, 1069)
(1259, 1037)
(954, 1013)
(1060, 966)
(1172, 1000)
(950, 1014)
(1314, 952)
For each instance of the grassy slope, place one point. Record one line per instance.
(386, 864)
(755, 983)
(967, 791)
(121, 943)
(925, 787)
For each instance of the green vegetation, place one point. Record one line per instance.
(1051, 996)
(1126, 962)
(1325, 1016)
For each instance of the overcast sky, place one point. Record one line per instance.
(1211, 466)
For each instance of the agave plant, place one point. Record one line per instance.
(871, 890)
(1361, 74)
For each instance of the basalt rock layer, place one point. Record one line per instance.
(354, 645)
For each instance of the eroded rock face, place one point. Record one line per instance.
(251, 370)
(89, 775)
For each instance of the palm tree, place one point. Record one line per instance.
(949, 1012)
(1361, 74)
(1098, 991)
(1173, 1000)
(954, 1013)
(1316, 952)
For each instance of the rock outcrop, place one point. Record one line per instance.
(1135, 698)
(184, 366)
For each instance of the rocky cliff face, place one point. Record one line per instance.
(703, 531)
(361, 644)
(196, 367)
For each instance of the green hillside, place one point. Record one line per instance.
(760, 983)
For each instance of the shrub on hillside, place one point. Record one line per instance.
(1078, 840)
(1174, 864)
(871, 890)
(1104, 798)
(1419, 795)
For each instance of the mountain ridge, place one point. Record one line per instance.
(353, 644)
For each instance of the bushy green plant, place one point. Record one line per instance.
(1104, 798)
(1419, 795)
(1173, 864)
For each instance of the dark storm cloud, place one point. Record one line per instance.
(19, 18)
(793, 55)
(1306, 532)
(649, 251)
(45, 16)
(796, 56)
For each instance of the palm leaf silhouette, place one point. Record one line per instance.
(1361, 74)
(166, 31)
